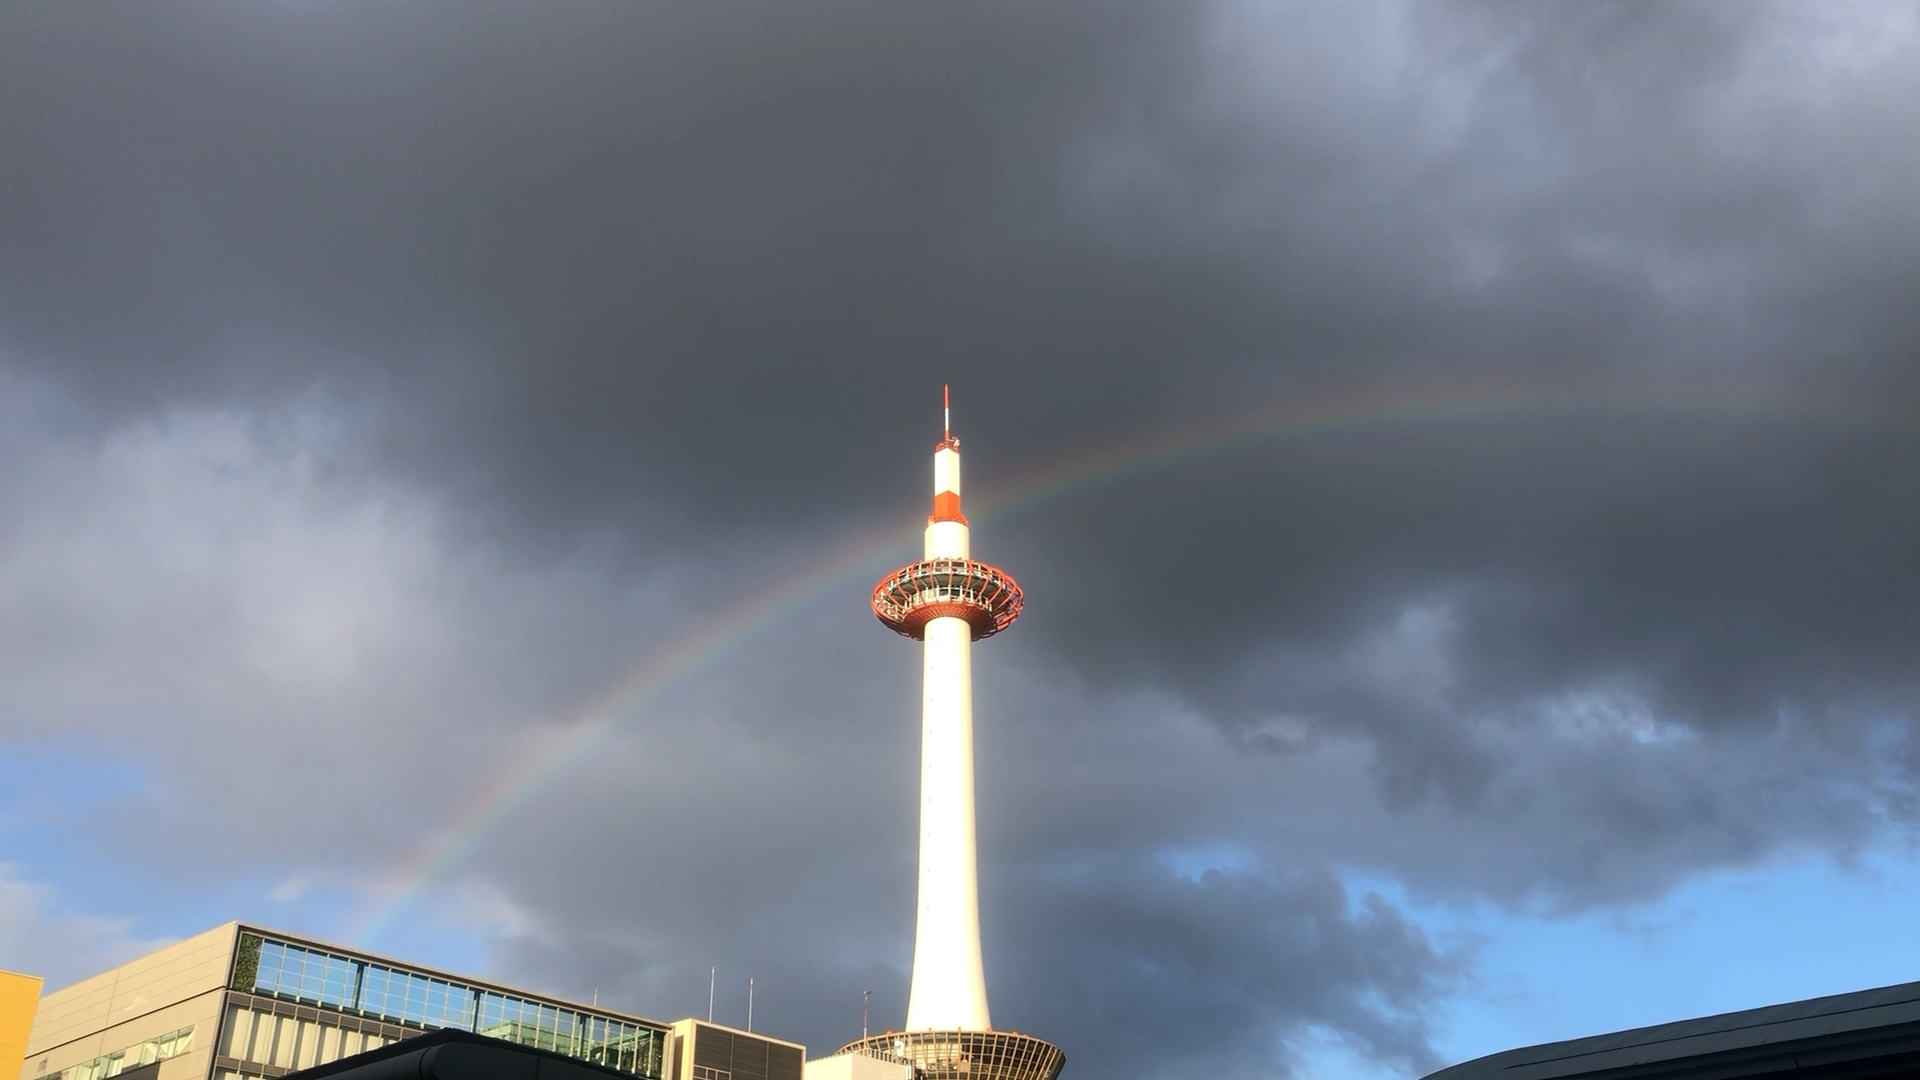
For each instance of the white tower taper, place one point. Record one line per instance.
(949, 984)
(947, 601)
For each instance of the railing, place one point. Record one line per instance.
(916, 594)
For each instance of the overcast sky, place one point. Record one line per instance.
(1463, 459)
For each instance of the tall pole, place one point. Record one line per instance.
(749, 1003)
(711, 972)
(864, 995)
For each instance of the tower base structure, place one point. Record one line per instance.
(966, 1055)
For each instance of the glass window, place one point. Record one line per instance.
(415, 1008)
(269, 968)
(288, 980)
(286, 974)
(373, 991)
(313, 976)
(393, 1002)
(338, 983)
(294, 973)
(394, 1005)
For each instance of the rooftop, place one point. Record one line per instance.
(1865, 1033)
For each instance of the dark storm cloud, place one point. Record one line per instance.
(1234, 965)
(681, 239)
(606, 308)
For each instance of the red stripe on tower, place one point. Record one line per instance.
(946, 507)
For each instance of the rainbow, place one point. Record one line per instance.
(1079, 475)
(682, 661)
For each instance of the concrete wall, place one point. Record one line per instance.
(857, 1067)
(176, 987)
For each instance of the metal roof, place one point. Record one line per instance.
(449, 1054)
(1860, 1034)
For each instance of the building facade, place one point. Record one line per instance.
(702, 1050)
(19, 997)
(859, 1065)
(242, 1003)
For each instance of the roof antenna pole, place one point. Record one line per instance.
(749, 1003)
(946, 414)
(710, 973)
(864, 995)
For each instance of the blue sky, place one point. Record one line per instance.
(1789, 930)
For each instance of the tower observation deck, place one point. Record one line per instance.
(947, 601)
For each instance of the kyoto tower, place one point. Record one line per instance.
(948, 601)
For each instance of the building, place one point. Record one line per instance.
(1857, 1036)
(859, 1065)
(947, 601)
(702, 1050)
(19, 995)
(239, 1003)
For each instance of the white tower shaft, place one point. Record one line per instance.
(949, 989)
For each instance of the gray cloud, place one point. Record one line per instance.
(385, 380)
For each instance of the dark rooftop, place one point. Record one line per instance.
(1867, 1033)
(450, 1054)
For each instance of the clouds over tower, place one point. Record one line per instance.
(392, 376)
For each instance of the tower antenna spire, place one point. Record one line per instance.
(946, 414)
